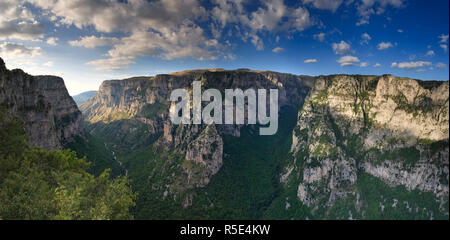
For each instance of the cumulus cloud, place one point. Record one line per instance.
(11, 10)
(276, 16)
(444, 38)
(164, 28)
(52, 41)
(441, 65)
(9, 49)
(278, 50)
(93, 41)
(331, 5)
(49, 64)
(366, 8)
(258, 42)
(310, 61)
(377, 65)
(365, 38)
(320, 37)
(189, 41)
(341, 48)
(273, 16)
(364, 64)
(384, 45)
(113, 16)
(110, 64)
(444, 47)
(174, 28)
(21, 31)
(410, 65)
(348, 61)
(430, 53)
(17, 22)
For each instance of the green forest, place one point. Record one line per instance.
(39, 184)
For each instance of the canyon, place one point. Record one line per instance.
(348, 146)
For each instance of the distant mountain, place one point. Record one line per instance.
(83, 97)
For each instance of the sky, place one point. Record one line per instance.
(89, 41)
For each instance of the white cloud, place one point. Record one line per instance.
(49, 64)
(93, 41)
(174, 29)
(22, 31)
(52, 41)
(430, 53)
(110, 64)
(364, 64)
(377, 65)
(189, 41)
(320, 37)
(341, 48)
(14, 50)
(444, 47)
(113, 16)
(444, 38)
(276, 16)
(365, 38)
(384, 45)
(11, 10)
(277, 50)
(163, 28)
(348, 61)
(331, 5)
(400, 30)
(18, 22)
(410, 65)
(366, 8)
(441, 65)
(273, 16)
(310, 61)
(258, 42)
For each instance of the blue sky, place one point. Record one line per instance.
(86, 41)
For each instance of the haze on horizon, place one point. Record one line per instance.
(86, 42)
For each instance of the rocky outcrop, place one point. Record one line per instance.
(206, 152)
(395, 129)
(50, 115)
(146, 100)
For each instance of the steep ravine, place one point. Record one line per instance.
(355, 136)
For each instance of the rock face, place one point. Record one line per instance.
(348, 127)
(50, 115)
(395, 129)
(145, 101)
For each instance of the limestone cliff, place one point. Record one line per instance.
(50, 115)
(351, 130)
(394, 129)
(144, 102)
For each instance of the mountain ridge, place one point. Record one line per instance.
(368, 102)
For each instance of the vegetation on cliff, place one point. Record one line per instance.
(40, 184)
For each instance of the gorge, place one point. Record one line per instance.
(347, 146)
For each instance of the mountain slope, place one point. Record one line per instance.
(354, 134)
(55, 184)
(83, 97)
(50, 115)
(358, 134)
